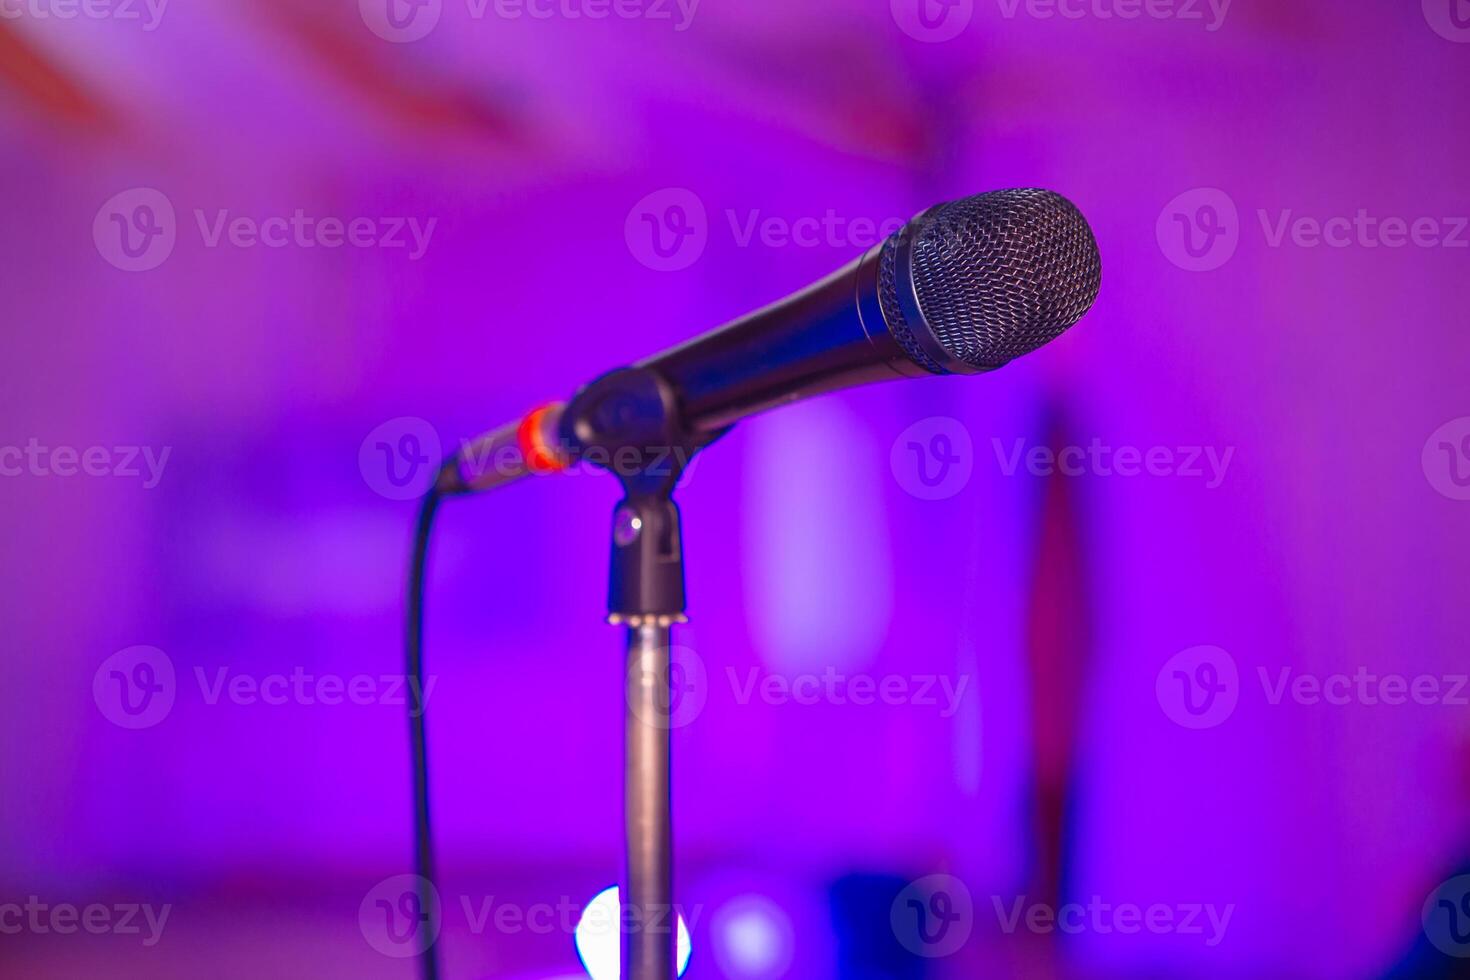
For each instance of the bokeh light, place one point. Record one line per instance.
(598, 937)
(753, 938)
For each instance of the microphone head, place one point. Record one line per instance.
(970, 285)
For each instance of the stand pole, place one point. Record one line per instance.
(628, 420)
(650, 930)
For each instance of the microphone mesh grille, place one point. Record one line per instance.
(996, 275)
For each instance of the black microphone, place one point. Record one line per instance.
(964, 287)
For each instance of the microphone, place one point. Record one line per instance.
(963, 288)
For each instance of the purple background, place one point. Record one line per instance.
(1334, 541)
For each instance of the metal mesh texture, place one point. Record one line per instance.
(996, 275)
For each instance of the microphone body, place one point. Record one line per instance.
(828, 336)
(964, 287)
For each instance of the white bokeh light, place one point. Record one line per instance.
(753, 938)
(598, 938)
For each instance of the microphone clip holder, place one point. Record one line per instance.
(627, 422)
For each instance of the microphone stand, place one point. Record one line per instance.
(628, 422)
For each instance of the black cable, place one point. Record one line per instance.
(418, 729)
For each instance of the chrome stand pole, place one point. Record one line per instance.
(630, 418)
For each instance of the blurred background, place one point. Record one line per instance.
(1144, 656)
